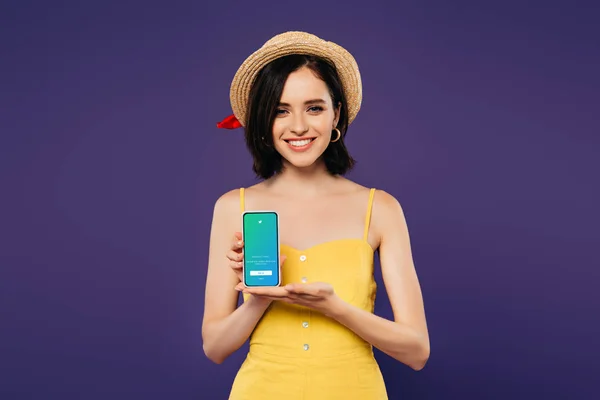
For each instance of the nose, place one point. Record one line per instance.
(298, 125)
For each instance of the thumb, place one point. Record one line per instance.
(282, 259)
(238, 235)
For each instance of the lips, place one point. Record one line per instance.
(300, 145)
(299, 142)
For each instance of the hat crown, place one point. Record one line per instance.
(296, 42)
(292, 36)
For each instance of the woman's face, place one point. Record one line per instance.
(304, 120)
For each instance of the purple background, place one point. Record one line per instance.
(483, 120)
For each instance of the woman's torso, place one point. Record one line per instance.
(295, 346)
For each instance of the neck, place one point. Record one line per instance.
(303, 182)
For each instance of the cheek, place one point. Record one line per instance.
(323, 126)
(325, 122)
(278, 129)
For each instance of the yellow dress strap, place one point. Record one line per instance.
(242, 205)
(368, 217)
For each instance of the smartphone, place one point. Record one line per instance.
(260, 233)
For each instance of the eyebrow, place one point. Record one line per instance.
(313, 101)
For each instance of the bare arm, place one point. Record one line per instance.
(226, 327)
(406, 338)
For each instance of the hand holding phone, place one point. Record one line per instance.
(235, 255)
(260, 232)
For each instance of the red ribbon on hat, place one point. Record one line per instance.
(230, 122)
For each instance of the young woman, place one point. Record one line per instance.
(312, 337)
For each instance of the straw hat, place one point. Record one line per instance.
(295, 42)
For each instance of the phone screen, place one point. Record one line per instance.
(261, 248)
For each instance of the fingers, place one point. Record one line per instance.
(236, 242)
(241, 288)
(237, 266)
(288, 298)
(303, 289)
(235, 256)
(272, 293)
(237, 245)
(276, 291)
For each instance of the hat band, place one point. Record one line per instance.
(230, 122)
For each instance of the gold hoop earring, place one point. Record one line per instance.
(339, 135)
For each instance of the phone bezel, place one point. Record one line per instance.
(278, 247)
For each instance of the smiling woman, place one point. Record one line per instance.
(300, 99)
(312, 336)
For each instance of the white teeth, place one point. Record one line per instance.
(300, 143)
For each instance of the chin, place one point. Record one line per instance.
(305, 165)
(300, 162)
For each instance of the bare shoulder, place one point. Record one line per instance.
(387, 215)
(387, 205)
(227, 203)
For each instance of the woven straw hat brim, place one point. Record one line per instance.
(296, 43)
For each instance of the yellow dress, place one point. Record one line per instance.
(297, 353)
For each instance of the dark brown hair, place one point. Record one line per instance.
(262, 106)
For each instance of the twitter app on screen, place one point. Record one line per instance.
(261, 253)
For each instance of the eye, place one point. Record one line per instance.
(315, 109)
(280, 111)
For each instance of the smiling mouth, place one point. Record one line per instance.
(299, 142)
